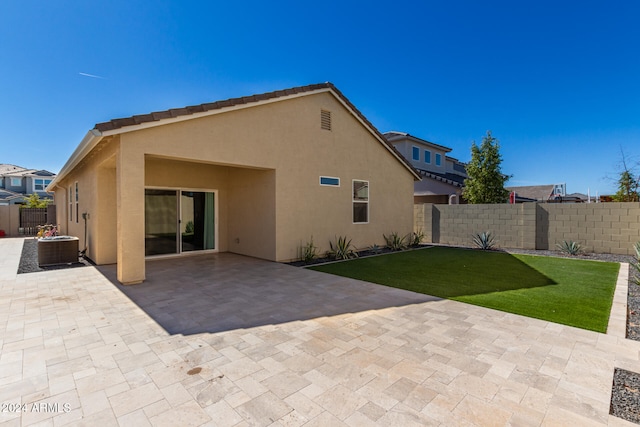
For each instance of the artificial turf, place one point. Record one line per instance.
(569, 291)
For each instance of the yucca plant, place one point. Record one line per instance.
(417, 237)
(395, 242)
(570, 247)
(342, 249)
(308, 252)
(484, 241)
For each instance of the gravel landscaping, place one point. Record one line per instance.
(29, 260)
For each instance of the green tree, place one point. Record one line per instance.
(485, 182)
(628, 186)
(34, 201)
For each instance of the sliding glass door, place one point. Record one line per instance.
(179, 224)
(197, 224)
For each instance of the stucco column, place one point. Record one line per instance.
(130, 214)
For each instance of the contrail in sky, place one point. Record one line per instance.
(92, 75)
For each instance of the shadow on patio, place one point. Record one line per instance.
(219, 292)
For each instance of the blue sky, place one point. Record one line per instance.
(558, 83)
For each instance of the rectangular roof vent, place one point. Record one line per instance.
(325, 119)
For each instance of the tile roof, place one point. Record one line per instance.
(8, 195)
(116, 124)
(201, 108)
(449, 178)
(13, 170)
(535, 192)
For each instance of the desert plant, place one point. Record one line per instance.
(484, 241)
(635, 266)
(308, 252)
(342, 249)
(570, 247)
(375, 249)
(417, 237)
(395, 242)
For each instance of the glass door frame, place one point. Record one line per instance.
(179, 190)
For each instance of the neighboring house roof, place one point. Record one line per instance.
(6, 195)
(533, 192)
(393, 136)
(143, 121)
(6, 169)
(449, 178)
(13, 170)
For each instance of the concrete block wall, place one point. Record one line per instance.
(455, 226)
(599, 227)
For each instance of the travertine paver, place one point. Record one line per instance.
(225, 340)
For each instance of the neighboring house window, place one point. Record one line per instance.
(77, 211)
(70, 203)
(328, 180)
(415, 154)
(16, 182)
(40, 184)
(438, 159)
(427, 156)
(360, 201)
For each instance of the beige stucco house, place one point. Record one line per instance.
(257, 176)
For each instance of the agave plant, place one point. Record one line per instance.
(395, 242)
(342, 249)
(570, 247)
(375, 249)
(484, 241)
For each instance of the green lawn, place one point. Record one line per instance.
(568, 291)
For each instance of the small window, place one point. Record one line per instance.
(415, 154)
(325, 119)
(16, 182)
(70, 203)
(438, 159)
(427, 156)
(77, 209)
(331, 181)
(360, 201)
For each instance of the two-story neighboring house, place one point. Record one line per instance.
(17, 182)
(442, 176)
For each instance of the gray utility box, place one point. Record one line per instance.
(57, 250)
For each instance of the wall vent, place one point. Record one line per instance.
(325, 119)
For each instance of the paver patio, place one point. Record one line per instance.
(228, 340)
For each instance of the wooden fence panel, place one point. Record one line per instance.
(30, 219)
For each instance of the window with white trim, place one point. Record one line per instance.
(415, 153)
(438, 159)
(70, 198)
(360, 201)
(77, 209)
(427, 156)
(16, 182)
(40, 184)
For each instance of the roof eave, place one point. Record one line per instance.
(90, 140)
